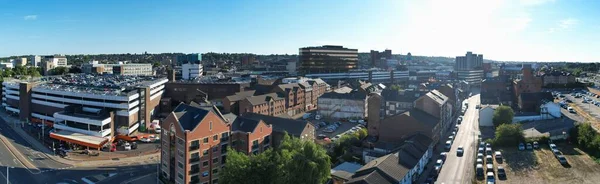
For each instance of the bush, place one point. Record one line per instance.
(587, 139)
(509, 135)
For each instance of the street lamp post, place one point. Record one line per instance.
(7, 174)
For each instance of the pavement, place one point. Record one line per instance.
(457, 169)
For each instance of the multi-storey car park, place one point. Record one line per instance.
(87, 110)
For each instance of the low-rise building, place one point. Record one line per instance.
(301, 129)
(436, 104)
(351, 105)
(120, 68)
(343, 172)
(271, 104)
(294, 98)
(557, 77)
(397, 102)
(86, 110)
(195, 141)
(403, 165)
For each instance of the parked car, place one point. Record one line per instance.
(498, 155)
(480, 156)
(321, 136)
(556, 152)
(127, 146)
(488, 152)
(443, 155)
(501, 172)
(521, 146)
(529, 146)
(553, 146)
(480, 150)
(490, 178)
(536, 145)
(146, 140)
(448, 145)
(562, 160)
(479, 161)
(459, 120)
(489, 159)
(451, 138)
(438, 164)
(460, 151)
(479, 170)
(489, 168)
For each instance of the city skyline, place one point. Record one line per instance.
(503, 30)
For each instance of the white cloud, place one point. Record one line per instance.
(30, 17)
(567, 23)
(535, 2)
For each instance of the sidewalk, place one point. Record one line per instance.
(39, 147)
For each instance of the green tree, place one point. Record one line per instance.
(509, 135)
(156, 64)
(295, 161)
(502, 115)
(396, 87)
(361, 133)
(61, 70)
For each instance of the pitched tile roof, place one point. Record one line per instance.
(260, 99)
(244, 124)
(241, 95)
(189, 116)
(291, 126)
(437, 96)
(345, 170)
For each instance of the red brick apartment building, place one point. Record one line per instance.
(294, 96)
(195, 141)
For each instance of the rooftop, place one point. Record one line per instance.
(95, 84)
(291, 126)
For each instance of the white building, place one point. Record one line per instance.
(191, 71)
(486, 113)
(351, 105)
(57, 60)
(35, 60)
(8, 65)
(120, 68)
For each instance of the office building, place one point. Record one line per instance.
(194, 146)
(191, 71)
(51, 62)
(376, 76)
(86, 110)
(19, 62)
(120, 68)
(188, 58)
(35, 60)
(379, 58)
(469, 68)
(328, 58)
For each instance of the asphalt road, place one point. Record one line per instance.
(461, 169)
(17, 172)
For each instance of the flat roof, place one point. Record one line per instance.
(93, 83)
(77, 138)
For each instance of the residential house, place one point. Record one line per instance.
(402, 166)
(232, 103)
(436, 104)
(496, 90)
(271, 104)
(558, 77)
(409, 123)
(486, 114)
(398, 101)
(344, 172)
(294, 98)
(303, 130)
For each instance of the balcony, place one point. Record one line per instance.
(254, 146)
(192, 160)
(196, 147)
(194, 171)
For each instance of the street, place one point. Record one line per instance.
(461, 169)
(51, 171)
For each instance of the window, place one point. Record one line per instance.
(223, 158)
(215, 181)
(180, 175)
(215, 160)
(215, 171)
(205, 152)
(205, 164)
(180, 153)
(215, 137)
(180, 165)
(215, 149)
(205, 140)
(210, 126)
(180, 141)
(194, 145)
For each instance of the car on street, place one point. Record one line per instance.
(321, 136)
(521, 146)
(438, 164)
(443, 155)
(563, 160)
(501, 172)
(460, 151)
(145, 140)
(459, 120)
(448, 145)
(490, 178)
(127, 146)
(454, 133)
(451, 138)
(536, 145)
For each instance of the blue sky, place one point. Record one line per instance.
(533, 30)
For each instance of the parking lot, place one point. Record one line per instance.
(541, 166)
(343, 128)
(590, 110)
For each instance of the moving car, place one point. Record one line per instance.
(460, 151)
